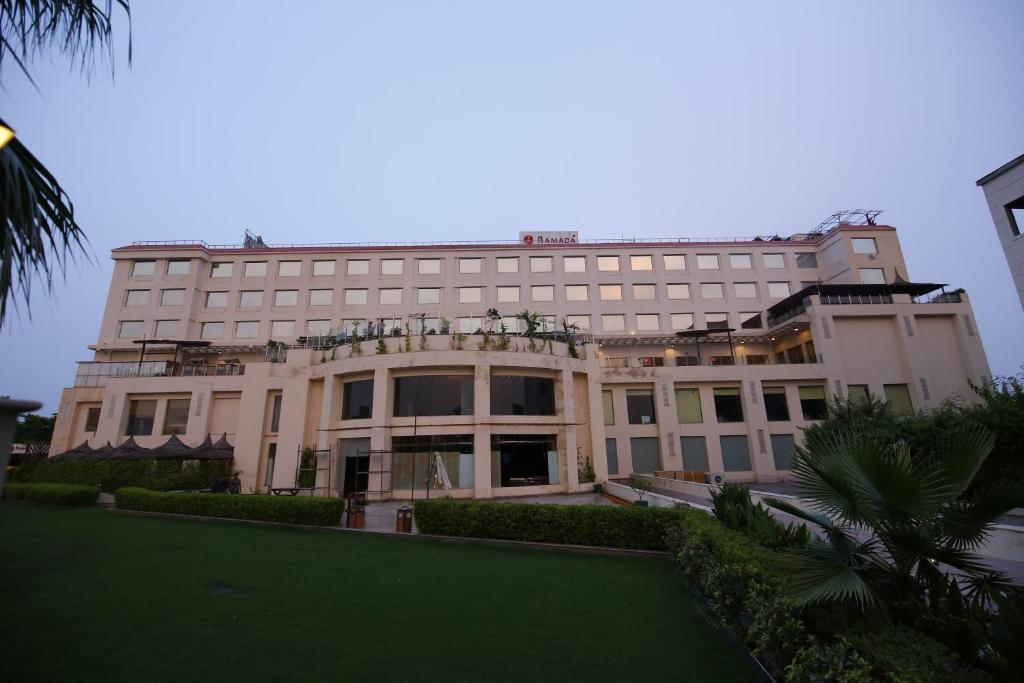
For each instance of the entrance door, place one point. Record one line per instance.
(354, 465)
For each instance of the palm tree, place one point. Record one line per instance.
(40, 233)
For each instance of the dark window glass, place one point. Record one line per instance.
(795, 354)
(750, 321)
(433, 395)
(524, 460)
(357, 400)
(612, 449)
(1015, 215)
(775, 407)
(268, 478)
(652, 361)
(783, 451)
(686, 361)
(275, 414)
(438, 461)
(640, 406)
(812, 357)
(92, 419)
(176, 416)
(140, 418)
(807, 260)
(735, 453)
(695, 453)
(645, 454)
(813, 403)
(518, 395)
(728, 407)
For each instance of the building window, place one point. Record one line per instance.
(542, 293)
(750, 321)
(426, 395)
(778, 290)
(610, 292)
(682, 321)
(130, 329)
(268, 479)
(640, 406)
(813, 403)
(254, 269)
(282, 328)
(428, 266)
(136, 297)
(613, 323)
(519, 395)
(775, 261)
(212, 331)
(355, 297)
(250, 299)
(216, 299)
(576, 293)
(247, 329)
(469, 265)
(166, 329)
(321, 297)
(391, 266)
(223, 269)
(469, 325)
(608, 264)
(728, 406)
(652, 361)
(807, 259)
(420, 462)
(140, 418)
(898, 398)
(275, 414)
(323, 268)
(643, 292)
(735, 453)
(92, 419)
(783, 451)
(609, 407)
(172, 297)
(286, 297)
(524, 460)
(390, 296)
(357, 267)
(716, 321)
(178, 267)
(357, 400)
(688, 406)
(775, 407)
(858, 393)
(675, 262)
(872, 276)
(694, 450)
(509, 295)
(574, 264)
(707, 261)
(643, 451)
(740, 262)
(470, 295)
(864, 245)
(711, 290)
(540, 264)
(428, 295)
(641, 263)
(318, 328)
(508, 264)
(1015, 215)
(756, 359)
(289, 268)
(176, 415)
(143, 268)
(579, 322)
(647, 322)
(678, 291)
(614, 362)
(746, 290)
(611, 450)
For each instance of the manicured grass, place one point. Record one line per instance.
(88, 594)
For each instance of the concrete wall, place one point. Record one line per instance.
(1001, 188)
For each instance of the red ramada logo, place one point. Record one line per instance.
(527, 239)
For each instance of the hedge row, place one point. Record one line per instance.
(110, 475)
(65, 494)
(597, 525)
(287, 510)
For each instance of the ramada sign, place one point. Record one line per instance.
(537, 238)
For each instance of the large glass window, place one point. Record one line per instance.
(176, 415)
(357, 400)
(864, 245)
(321, 268)
(813, 403)
(898, 397)
(858, 393)
(221, 269)
(247, 329)
(872, 276)
(143, 268)
(172, 297)
(390, 296)
(428, 266)
(321, 297)
(470, 295)
(611, 450)
(268, 478)
(282, 328)
(746, 290)
(643, 292)
(609, 407)
(678, 291)
(357, 267)
(807, 259)
(289, 268)
(508, 264)
(711, 290)
(130, 329)
(286, 297)
(166, 329)
(682, 321)
(611, 292)
(540, 264)
(254, 269)
(688, 406)
(576, 293)
(640, 406)
(707, 261)
(524, 460)
(212, 330)
(428, 295)
(735, 453)
(140, 418)
(355, 297)
(425, 395)
(751, 320)
(774, 260)
(778, 290)
(542, 293)
(675, 262)
(608, 264)
(775, 407)
(574, 264)
(580, 322)
(647, 322)
(643, 262)
(250, 299)
(391, 266)
(469, 265)
(216, 299)
(613, 323)
(783, 451)
(178, 267)
(92, 419)
(318, 328)
(519, 395)
(438, 461)
(136, 297)
(728, 405)
(695, 453)
(716, 321)
(740, 262)
(645, 454)
(509, 295)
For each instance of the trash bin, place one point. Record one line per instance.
(356, 513)
(403, 524)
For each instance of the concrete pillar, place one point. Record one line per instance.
(665, 414)
(572, 471)
(592, 375)
(759, 433)
(482, 432)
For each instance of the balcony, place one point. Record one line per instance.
(96, 373)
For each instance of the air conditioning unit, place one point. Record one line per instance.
(714, 478)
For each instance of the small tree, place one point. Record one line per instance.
(641, 487)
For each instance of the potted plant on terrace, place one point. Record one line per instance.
(641, 487)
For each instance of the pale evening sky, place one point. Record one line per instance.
(411, 121)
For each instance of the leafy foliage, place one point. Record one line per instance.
(65, 494)
(735, 510)
(286, 510)
(34, 429)
(110, 475)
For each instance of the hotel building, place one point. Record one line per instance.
(648, 355)
(1004, 192)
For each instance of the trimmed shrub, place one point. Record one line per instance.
(65, 494)
(734, 509)
(597, 525)
(286, 510)
(110, 475)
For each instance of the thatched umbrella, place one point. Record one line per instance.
(129, 450)
(80, 451)
(173, 449)
(101, 453)
(221, 450)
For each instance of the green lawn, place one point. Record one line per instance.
(88, 594)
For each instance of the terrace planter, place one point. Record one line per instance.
(598, 488)
(640, 503)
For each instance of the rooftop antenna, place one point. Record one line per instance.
(251, 241)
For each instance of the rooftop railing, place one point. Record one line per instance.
(97, 373)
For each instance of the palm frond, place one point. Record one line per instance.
(967, 524)
(819, 574)
(961, 454)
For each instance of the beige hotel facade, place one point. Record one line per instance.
(698, 355)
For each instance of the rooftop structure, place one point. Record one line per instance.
(1004, 191)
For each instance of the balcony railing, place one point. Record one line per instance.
(706, 361)
(96, 373)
